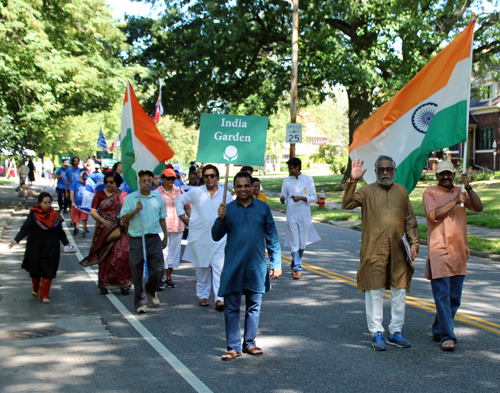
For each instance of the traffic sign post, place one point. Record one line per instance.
(293, 133)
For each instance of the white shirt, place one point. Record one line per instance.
(201, 248)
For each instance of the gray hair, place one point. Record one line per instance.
(381, 158)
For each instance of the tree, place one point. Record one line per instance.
(57, 58)
(227, 55)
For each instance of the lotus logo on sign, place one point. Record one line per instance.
(232, 139)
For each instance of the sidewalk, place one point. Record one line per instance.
(492, 234)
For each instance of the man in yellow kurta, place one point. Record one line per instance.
(386, 214)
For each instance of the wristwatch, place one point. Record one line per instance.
(468, 189)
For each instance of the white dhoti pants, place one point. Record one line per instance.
(374, 302)
(172, 253)
(203, 281)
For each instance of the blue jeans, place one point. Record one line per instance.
(232, 303)
(447, 292)
(297, 260)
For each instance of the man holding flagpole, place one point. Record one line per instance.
(154, 215)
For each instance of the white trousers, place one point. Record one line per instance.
(203, 281)
(374, 302)
(172, 253)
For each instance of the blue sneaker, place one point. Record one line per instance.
(398, 340)
(378, 342)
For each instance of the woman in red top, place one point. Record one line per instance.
(109, 246)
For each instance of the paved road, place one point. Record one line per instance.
(312, 331)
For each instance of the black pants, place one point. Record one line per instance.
(154, 256)
(64, 203)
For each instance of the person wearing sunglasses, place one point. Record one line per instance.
(109, 248)
(169, 192)
(153, 217)
(387, 215)
(298, 192)
(204, 253)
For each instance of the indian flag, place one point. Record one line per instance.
(428, 114)
(142, 145)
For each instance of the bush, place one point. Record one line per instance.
(480, 176)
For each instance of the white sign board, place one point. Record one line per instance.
(294, 133)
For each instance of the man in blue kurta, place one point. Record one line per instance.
(246, 221)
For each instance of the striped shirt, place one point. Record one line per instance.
(173, 222)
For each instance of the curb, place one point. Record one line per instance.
(480, 254)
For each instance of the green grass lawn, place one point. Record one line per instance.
(3, 181)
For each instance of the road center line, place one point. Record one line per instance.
(176, 364)
(422, 304)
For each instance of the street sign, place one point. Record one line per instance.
(232, 139)
(104, 154)
(294, 133)
(65, 156)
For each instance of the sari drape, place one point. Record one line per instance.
(112, 257)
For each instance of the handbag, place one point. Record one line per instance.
(115, 235)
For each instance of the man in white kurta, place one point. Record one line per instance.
(204, 253)
(298, 192)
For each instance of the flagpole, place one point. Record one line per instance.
(138, 186)
(464, 163)
(225, 184)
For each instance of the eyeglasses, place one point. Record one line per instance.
(210, 175)
(146, 180)
(170, 178)
(109, 182)
(389, 169)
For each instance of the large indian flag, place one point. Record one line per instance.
(428, 114)
(142, 145)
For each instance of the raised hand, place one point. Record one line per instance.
(222, 212)
(357, 171)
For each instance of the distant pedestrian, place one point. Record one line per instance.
(246, 221)
(175, 227)
(76, 195)
(23, 173)
(193, 179)
(39, 168)
(63, 202)
(31, 167)
(448, 247)
(48, 168)
(202, 251)
(387, 216)
(72, 175)
(298, 192)
(154, 222)
(256, 190)
(43, 227)
(248, 169)
(109, 248)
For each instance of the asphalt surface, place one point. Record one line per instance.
(313, 332)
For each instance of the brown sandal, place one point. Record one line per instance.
(230, 355)
(204, 302)
(253, 351)
(448, 345)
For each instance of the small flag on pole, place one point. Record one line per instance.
(101, 141)
(158, 109)
(115, 144)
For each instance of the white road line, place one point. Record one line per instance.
(177, 365)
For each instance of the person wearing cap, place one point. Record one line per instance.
(153, 214)
(386, 215)
(169, 192)
(76, 193)
(202, 251)
(63, 202)
(446, 264)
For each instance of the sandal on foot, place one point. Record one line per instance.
(34, 294)
(204, 302)
(253, 351)
(230, 355)
(448, 345)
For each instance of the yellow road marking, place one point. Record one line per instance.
(422, 304)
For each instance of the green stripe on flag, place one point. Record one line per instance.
(128, 161)
(448, 128)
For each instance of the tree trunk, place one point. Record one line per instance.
(360, 109)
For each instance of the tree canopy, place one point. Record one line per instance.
(57, 58)
(234, 56)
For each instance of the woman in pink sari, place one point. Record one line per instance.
(109, 246)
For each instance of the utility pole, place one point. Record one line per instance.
(295, 67)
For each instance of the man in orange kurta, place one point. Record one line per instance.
(448, 247)
(387, 214)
